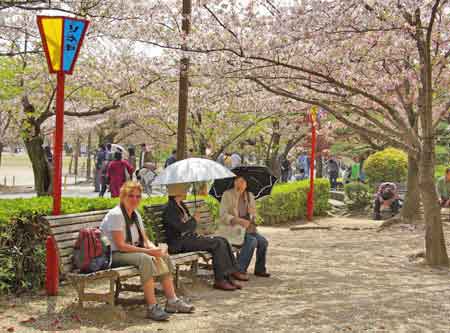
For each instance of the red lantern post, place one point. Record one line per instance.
(310, 201)
(62, 38)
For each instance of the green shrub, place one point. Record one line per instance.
(288, 201)
(23, 235)
(389, 165)
(357, 196)
(441, 153)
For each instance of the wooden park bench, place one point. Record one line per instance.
(65, 229)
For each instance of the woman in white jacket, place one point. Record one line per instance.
(238, 208)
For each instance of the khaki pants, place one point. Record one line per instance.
(148, 266)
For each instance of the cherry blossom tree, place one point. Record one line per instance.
(385, 61)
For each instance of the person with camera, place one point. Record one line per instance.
(386, 196)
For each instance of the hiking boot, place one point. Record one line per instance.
(179, 306)
(157, 313)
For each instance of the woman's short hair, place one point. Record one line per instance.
(129, 187)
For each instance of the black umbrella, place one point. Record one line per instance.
(259, 181)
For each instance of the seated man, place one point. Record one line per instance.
(443, 187)
(386, 196)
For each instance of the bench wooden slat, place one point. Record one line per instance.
(75, 227)
(118, 271)
(74, 218)
(66, 244)
(66, 236)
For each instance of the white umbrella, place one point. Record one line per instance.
(115, 147)
(192, 170)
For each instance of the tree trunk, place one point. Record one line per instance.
(435, 249)
(88, 162)
(183, 94)
(411, 205)
(71, 164)
(1, 152)
(76, 155)
(41, 170)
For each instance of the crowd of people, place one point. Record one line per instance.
(130, 245)
(113, 169)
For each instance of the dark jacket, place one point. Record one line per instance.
(174, 228)
(171, 160)
(333, 166)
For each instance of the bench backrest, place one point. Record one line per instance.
(65, 229)
(153, 216)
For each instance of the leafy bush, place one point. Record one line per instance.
(441, 153)
(388, 165)
(357, 196)
(288, 201)
(23, 235)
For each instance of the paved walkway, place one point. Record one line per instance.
(346, 279)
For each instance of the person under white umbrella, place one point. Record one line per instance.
(180, 225)
(192, 170)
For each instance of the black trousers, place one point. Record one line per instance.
(395, 207)
(224, 262)
(333, 179)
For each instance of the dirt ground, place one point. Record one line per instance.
(346, 279)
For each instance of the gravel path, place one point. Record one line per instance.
(337, 280)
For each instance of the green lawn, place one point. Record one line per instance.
(21, 161)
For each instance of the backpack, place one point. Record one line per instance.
(92, 251)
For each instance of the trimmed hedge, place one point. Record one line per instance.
(22, 235)
(389, 165)
(357, 195)
(288, 201)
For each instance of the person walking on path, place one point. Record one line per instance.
(130, 245)
(117, 173)
(103, 174)
(238, 206)
(145, 156)
(172, 159)
(303, 165)
(100, 157)
(286, 169)
(333, 172)
(355, 170)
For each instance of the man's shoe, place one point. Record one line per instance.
(157, 313)
(179, 306)
(235, 284)
(224, 285)
(262, 274)
(240, 276)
